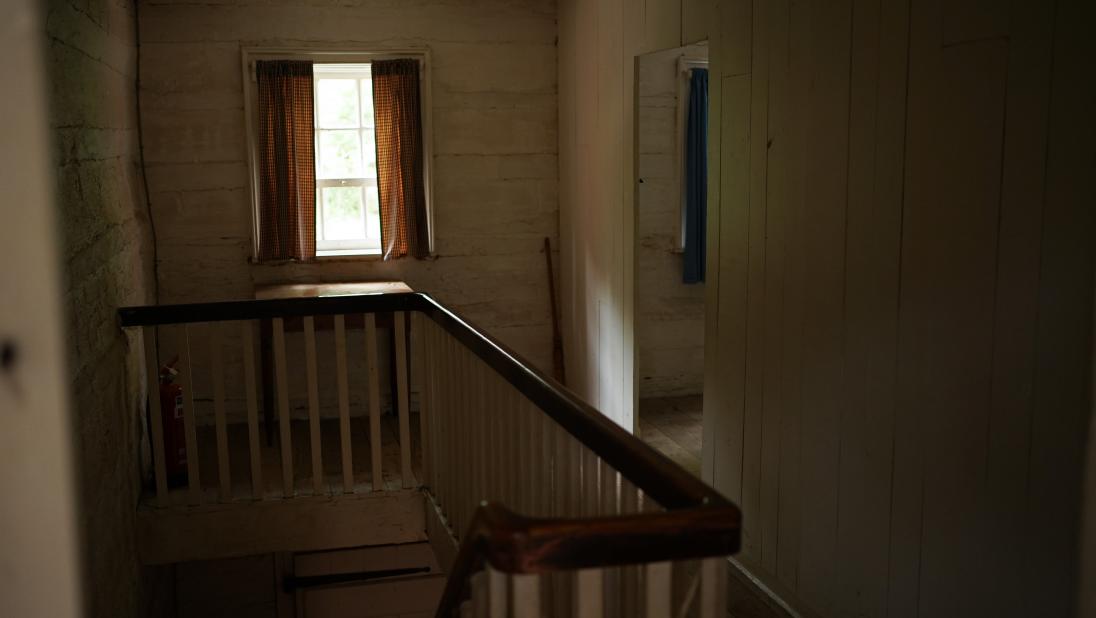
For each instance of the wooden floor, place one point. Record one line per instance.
(672, 425)
(240, 460)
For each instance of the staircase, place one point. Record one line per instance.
(532, 502)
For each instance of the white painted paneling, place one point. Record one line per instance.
(900, 332)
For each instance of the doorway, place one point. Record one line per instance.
(671, 149)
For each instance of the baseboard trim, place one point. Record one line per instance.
(441, 538)
(751, 595)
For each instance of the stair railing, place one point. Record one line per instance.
(226, 352)
(607, 526)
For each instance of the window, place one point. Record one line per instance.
(347, 204)
(685, 67)
(692, 145)
(348, 217)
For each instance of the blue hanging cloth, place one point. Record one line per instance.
(696, 178)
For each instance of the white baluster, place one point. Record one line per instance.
(496, 593)
(465, 492)
(589, 593)
(447, 484)
(281, 380)
(224, 473)
(253, 444)
(629, 584)
(610, 505)
(345, 440)
(527, 456)
(713, 587)
(374, 400)
(400, 326)
(315, 439)
(494, 438)
(426, 395)
(548, 457)
(479, 444)
(526, 596)
(190, 425)
(479, 601)
(658, 580)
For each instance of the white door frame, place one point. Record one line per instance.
(39, 554)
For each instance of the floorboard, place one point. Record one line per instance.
(672, 425)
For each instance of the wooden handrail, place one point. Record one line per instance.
(513, 544)
(221, 311)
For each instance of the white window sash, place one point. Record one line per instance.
(366, 243)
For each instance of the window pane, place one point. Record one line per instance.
(367, 103)
(372, 213)
(338, 102)
(343, 218)
(340, 154)
(369, 151)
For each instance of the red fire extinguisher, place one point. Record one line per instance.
(171, 413)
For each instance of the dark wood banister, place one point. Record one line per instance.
(515, 544)
(697, 523)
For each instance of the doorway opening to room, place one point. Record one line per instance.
(671, 194)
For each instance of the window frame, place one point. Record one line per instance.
(325, 55)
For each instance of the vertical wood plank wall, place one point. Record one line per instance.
(899, 326)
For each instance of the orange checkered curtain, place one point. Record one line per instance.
(398, 112)
(287, 168)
